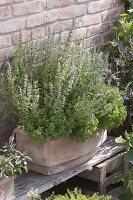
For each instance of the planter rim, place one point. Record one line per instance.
(9, 178)
(21, 128)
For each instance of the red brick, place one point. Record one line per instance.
(106, 16)
(66, 2)
(79, 34)
(38, 33)
(6, 53)
(88, 20)
(5, 12)
(44, 3)
(43, 18)
(93, 30)
(72, 11)
(57, 27)
(28, 35)
(53, 3)
(57, 3)
(81, 1)
(105, 27)
(25, 37)
(117, 3)
(27, 8)
(97, 40)
(93, 41)
(12, 25)
(2, 2)
(5, 41)
(96, 6)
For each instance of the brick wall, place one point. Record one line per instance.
(91, 20)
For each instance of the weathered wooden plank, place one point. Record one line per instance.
(115, 192)
(25, 182)
(109, 180)
(43, 182)
(112, 163)
(102, 183)
(93, 175)
(126, 165)
(105, 152)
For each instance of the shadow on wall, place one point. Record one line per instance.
(100, 33)
(6, 123)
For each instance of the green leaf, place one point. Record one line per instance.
(19, 170)
(25, 168)
(120, 140)
(124, 15)
(129, 156)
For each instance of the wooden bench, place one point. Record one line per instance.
(25, 182)
(104, 174)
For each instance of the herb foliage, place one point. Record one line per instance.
(56, 90)
(77, 195)
(12, 161)
(70, 195)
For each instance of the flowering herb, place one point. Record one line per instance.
(56, 90)
(12, 161)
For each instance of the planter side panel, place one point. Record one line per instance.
(7, 189)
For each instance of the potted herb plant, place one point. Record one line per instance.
(58, 93)
(12, 162)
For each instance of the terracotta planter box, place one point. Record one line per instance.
(7, 188)
(52, 156)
